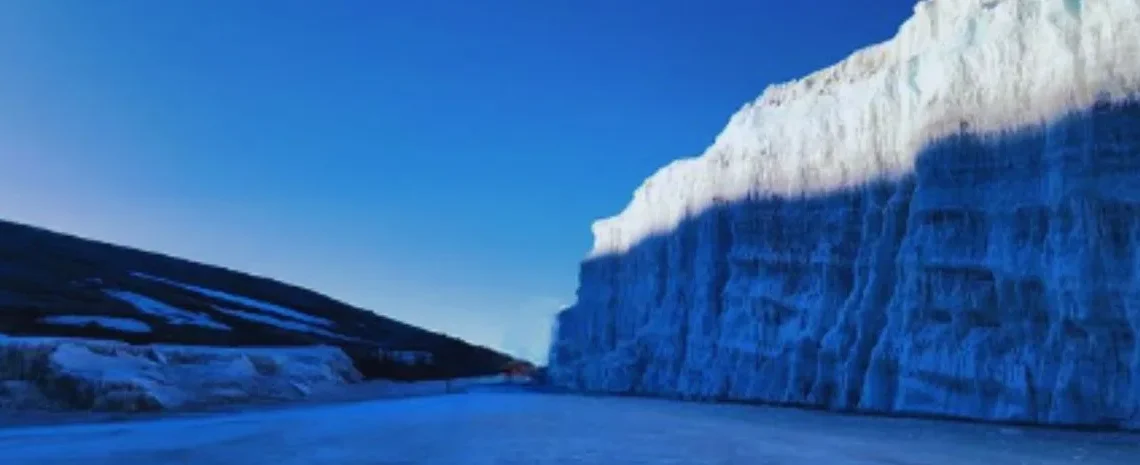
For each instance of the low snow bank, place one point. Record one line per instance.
(455, 385)
(79, 374)
(386, 389)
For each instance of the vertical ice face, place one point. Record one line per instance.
(945, 223)
(990, 64)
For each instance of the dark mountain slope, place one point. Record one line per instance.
(54, 284)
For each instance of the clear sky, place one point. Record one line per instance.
(436, 161)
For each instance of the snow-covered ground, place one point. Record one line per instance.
(521, 428)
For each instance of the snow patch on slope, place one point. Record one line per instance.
(245, 301)
(283, 324)
(129, 325)
(174, 316)
(988, 64)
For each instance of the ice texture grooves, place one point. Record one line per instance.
(985, 269)
(992, 64)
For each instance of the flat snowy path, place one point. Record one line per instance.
(521, 428)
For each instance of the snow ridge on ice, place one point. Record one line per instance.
(988, 64)
(85, 374)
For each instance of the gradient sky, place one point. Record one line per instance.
(436, 161)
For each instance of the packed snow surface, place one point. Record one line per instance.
(492, 428)
(988, 64)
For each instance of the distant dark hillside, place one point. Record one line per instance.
(53, 284)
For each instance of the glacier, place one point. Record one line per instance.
(941, 224)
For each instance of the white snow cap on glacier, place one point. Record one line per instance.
(995, 64)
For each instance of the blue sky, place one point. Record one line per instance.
(436, 161)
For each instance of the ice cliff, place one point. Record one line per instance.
(945, 223)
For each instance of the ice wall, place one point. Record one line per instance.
(943, 224)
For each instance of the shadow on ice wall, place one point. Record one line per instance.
(998, 282)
